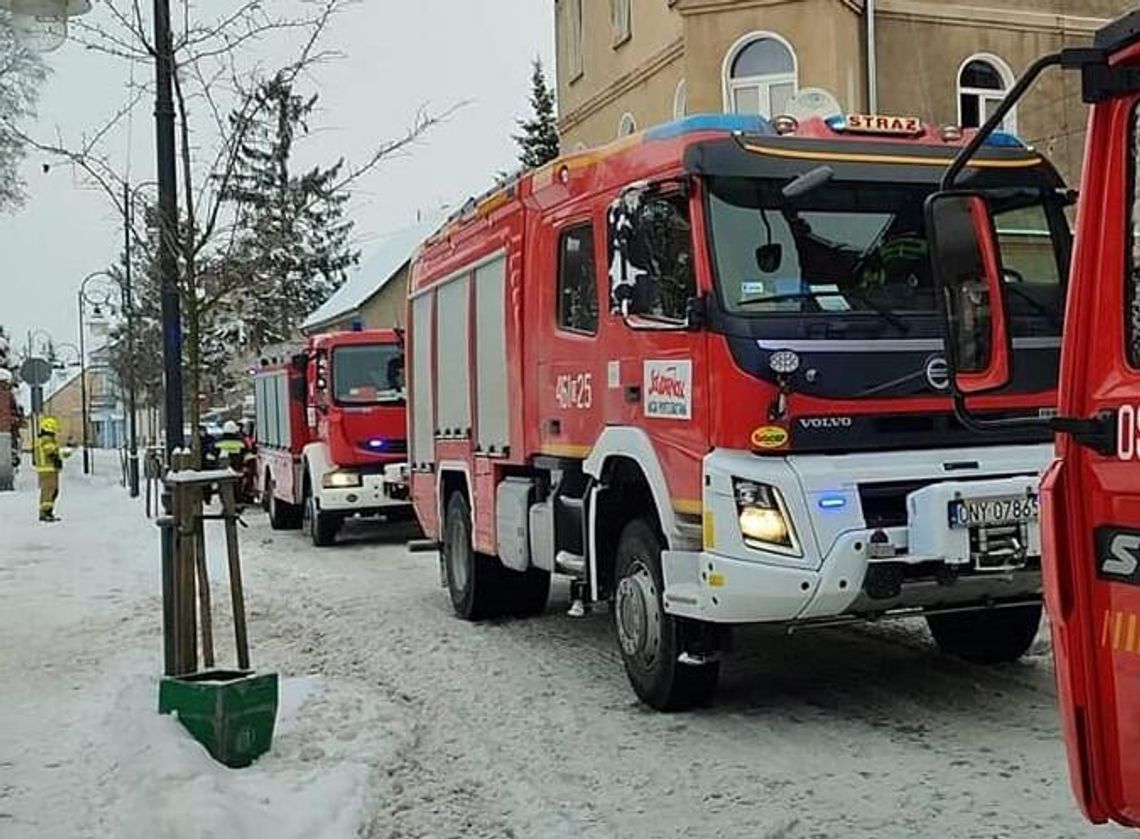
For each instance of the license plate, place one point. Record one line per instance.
(990, 512)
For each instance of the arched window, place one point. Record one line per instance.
(681, 100)
(760, 75)
(627, 126)
(982, 83)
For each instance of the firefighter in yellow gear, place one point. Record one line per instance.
(49, 463)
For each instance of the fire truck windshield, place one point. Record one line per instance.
(368, 374)
(859, 248)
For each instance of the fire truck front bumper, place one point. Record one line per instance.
(814, 538)
(375, 494)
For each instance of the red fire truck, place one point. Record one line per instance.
(701, 372)
(1091, 493)
(331, 433)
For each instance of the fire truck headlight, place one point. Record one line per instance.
(342, 480)
(764, 519)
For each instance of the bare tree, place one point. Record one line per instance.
(215, 92)
(22, 70)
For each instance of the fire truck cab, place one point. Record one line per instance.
(1091, 492)
(701, 372)
(331, 433)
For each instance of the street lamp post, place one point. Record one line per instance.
(172, 616)
(84, 408)
(128, 308)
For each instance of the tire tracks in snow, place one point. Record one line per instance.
(529, 729)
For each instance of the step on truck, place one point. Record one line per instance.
(1090, 494)
(701, 372)
(331, 433)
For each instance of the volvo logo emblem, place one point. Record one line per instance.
(938, 373)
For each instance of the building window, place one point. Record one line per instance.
(623, 20)
(575, 33)
(760, 75)
(577, 281)
(681, 100)
(627, 126)
(982, 84)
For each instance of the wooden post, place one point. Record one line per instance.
(237, 594)
(204, 612)
(187, 507)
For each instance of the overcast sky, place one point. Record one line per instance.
(399, 55)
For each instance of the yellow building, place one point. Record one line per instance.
(624, 65)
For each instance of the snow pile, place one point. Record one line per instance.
(83, 749)
(309, 786)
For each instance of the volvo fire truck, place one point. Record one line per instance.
(331, 434)
(1091, 492)
(700, 371)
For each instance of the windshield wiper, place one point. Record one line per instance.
(882, 311)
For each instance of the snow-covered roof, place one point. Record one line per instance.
(374, 272)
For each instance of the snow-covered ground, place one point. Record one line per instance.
(399, 722)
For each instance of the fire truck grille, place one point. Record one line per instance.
(884, 504)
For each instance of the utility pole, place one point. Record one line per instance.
(84, 417)
(171, 309)
(168, 223)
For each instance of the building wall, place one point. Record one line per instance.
(385, 309)
(66, 405)
(921, 46)
(388, 307)
(1051, 117)
(615, 72)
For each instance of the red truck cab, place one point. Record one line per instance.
(332, 437)
(700, 372)
(1091, 492)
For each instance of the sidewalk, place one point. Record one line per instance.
(83, 752)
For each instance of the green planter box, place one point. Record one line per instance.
(231, 713)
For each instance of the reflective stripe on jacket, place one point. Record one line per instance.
(47, 456)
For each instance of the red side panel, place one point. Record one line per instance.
(1091, 526)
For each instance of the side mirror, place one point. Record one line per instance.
(770, 257)
(966, 264)
(696, 313)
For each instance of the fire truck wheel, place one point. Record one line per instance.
(992, 636)
(321, 527)
(474, 580)
(282, 516)
(650, 639)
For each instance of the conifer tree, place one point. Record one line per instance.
(538, 143)
(295, 245)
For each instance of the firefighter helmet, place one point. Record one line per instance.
(231, 427)
(49, 425)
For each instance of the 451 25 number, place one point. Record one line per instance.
(574, 391)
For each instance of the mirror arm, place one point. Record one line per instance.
(983, 426)
(1097, 433)
(995, 120)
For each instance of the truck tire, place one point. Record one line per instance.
(648, 638)
(474, 580)
(321, 527)
(989, 636)
(282, 516)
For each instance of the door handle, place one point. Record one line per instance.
(554, 427)
(633, 394)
